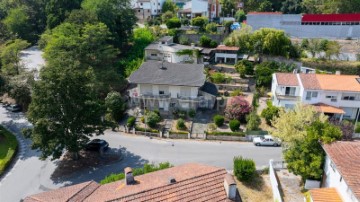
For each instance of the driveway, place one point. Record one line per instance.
(30, 175)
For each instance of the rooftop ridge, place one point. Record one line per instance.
(76, 196)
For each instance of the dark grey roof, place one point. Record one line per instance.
(175, 74)
(166, 38)
(210, 88)
(207, 50)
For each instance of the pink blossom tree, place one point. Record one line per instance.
(237, 108)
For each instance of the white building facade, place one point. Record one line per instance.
(335, 95)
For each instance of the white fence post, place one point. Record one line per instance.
(274, 183)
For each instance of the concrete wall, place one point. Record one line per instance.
(195, 38)
(274, 183)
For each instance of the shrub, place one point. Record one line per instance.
(213, 44)
(205, 41)
(211, 127)
(236, 92)
(8, 148)
(185, 21)
(211, 28)
(147, 168)
(200, 22)
(270, 113)
(131, 121)
(218, 120)
(253, 121)
(237, 108)
(182, 114)
(152, 118)
(167, 16)
(218, 77)
(180, 125)
(173, 23)
(244, 67)
(234, 125)
(357, 129)
(183, 40)
(244, 169)
(192, 113)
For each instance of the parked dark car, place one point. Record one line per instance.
(14, 108)
(97, 145)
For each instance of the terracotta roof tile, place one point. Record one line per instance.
(346, 157)
(71, 193)
(325, 195)
(194, 182)
(324, 108)
(231, 48)
(287, 79)
(330, 82)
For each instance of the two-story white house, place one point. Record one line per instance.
(342, 169)
(168, 86)
(335, 95)
(147, 8)
(166, 50)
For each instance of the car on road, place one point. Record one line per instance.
(97, 145)
(14, 108)
(267, 140)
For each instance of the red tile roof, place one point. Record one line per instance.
(354, 17)
(310, 82)
(324, 108)
(346, 157)
(287, 79)
(325, 195)
(194, 182)
(330, 82)
(231, 48)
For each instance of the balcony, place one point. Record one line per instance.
(155, 97)
(287, 97)
(188, 99)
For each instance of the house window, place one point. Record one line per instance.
(308, 96)
(154, 54)
(311, 94)
(347, 96)
(172, 104)
(161, 92)
(290, 91)
(141, 4)
(332, 98)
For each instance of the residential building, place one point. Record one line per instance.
(166, 50)
(308, 25)
(145, 9)
(169, 86)
(226, 54)
(333, 94)
(342, 169)
(188, 182)
(199, 8)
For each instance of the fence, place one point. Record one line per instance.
(274, 182)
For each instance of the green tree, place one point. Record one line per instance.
(10, 56)
(306, 157)
(270, 113)
(64, 110)
(152, 119)
(173, 23)
(227, 7)
(18, 23)
(290, 125)
(117, 15)
(265, 6)
(200, 22)
(241, 38)
(82, 17)
(332, 49)
(271, 41)
(169, 5)
(167, 16)
(19, 88)
(211, 28)
(115, 105)
(291, 6)
(253, 121)
(240, 16)
(234, 125)
(57, 11)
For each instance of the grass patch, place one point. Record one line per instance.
(256, 190)
(8, 148)
(346, 67)
(148, 168)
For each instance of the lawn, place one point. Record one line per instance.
(8, 147)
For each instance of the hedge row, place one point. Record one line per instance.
(8, 148)
(241, 134)
(137, 128)
(148, 168)
(346, 67)
(178, 132)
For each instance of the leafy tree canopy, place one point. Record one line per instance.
(169, 5)
(10, 56)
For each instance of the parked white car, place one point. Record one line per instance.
(267, 140)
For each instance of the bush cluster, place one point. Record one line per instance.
(9, 146)
(234, 125)
(131, 121)
(152, 119)
(180, 125)
(244, 169)
(218, 120)
(240, 134)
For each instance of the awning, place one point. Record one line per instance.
(324, 108)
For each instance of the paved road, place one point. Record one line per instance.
(29, 175)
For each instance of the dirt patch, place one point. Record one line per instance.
(257, 190)
(88, 159)
(291, 186)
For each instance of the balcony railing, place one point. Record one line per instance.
(287, 97)
(187, 98)
(152, 96)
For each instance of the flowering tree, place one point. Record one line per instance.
(237, 108)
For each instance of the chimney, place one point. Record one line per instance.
(230, 186)
(337, 72)
(172, 180)
(129, 178)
